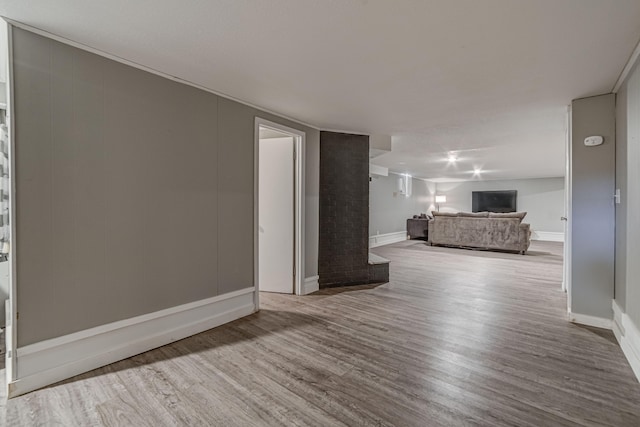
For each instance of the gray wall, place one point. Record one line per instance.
(593, 217)
(388, 210)
(628, 211)
(633, 201)
(134, 193)
(541, 198)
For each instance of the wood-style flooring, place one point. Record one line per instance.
(458, 337)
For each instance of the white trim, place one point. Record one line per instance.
(566, 202)
(631, 347)
(299, 138)
(256, 217)
(547, 236)
(53, 360)
(628, 336)
(617, 326)
(584, 319)
(11, 336)
(311, 285)
(145, 68)
(568, 185)
(627, 68)
(387, 239)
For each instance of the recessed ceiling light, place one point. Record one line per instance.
(477, 171)
(452, 156)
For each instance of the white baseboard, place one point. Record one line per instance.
(628, 337)
(310, 285)
(597, 322)
(549, 236)
(387, 239)
(53, 360)
(617, 326)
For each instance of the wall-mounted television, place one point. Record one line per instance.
(494, 201)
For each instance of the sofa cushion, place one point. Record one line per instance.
(519, 215)
(474, 214)
(489, 233)
(435, 214)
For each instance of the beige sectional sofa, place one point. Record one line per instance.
(500, 231)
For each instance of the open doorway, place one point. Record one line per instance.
(279, 213)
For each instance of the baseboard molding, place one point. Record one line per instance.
(53, 360)
(628, 337)
(387, 239)
(310, 285)
(597, 322)
(548, 236)
(617, 326)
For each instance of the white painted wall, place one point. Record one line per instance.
(541, 198)
(389, 210)
(276, 215)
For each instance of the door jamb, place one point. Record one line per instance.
(299, 198)
(12, 316)
(566, 285)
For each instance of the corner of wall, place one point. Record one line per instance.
(628, 336)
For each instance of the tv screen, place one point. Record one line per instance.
(494, 201)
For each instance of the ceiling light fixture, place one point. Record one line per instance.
(476, 171)
(452, 157)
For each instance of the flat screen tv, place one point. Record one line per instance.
(494, 201)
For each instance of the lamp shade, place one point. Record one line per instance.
(441, 199)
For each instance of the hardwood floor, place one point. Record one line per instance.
(458, 337)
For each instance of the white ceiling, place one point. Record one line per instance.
(490, 79)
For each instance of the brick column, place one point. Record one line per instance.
(344, 209)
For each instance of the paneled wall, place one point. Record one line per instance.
(134, 192)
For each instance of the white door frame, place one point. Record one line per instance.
(566, 282)
(11, 337)
(298, 203)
